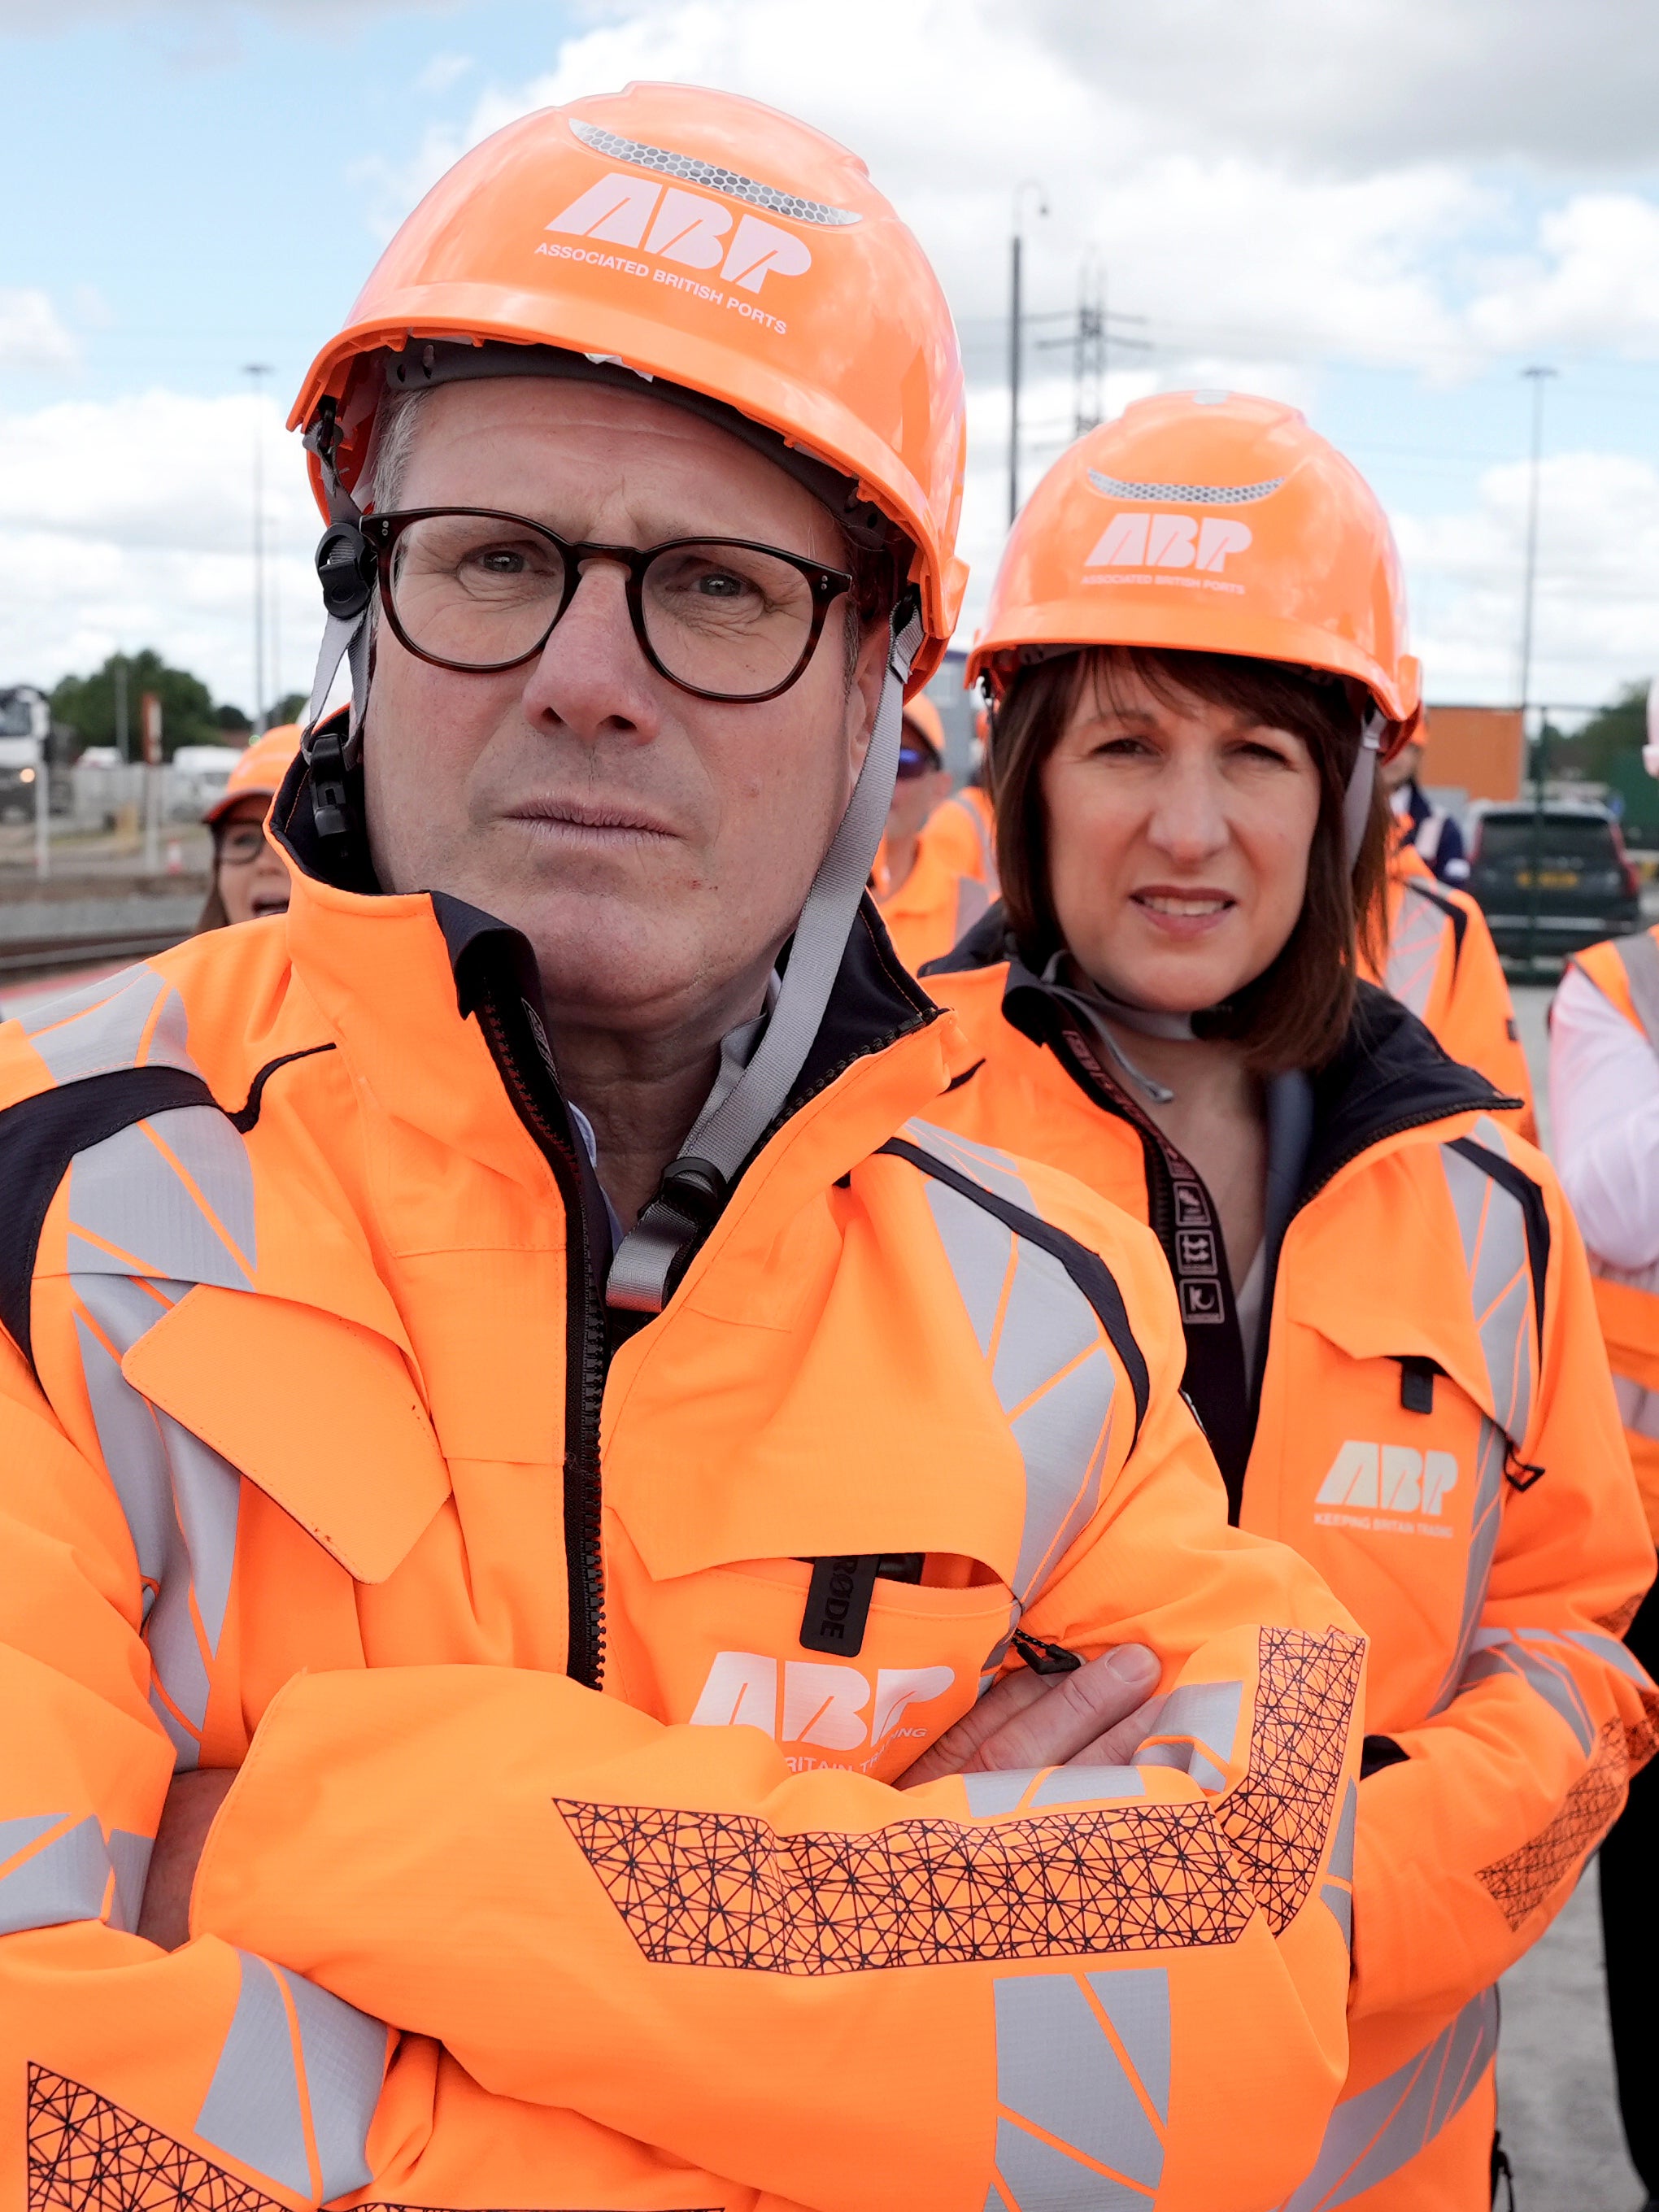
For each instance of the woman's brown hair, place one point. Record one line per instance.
(1296, 1012)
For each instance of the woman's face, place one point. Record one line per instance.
(1178, 842)
(253, 880)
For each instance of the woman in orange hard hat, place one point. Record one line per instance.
(1196, 639)
(926, 904)
(518, 1432)
(249, 878)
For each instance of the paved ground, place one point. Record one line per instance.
(1557, 2108)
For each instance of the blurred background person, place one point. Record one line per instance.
(1431, 832)
(249, 878)
(963, 830)
(926, 903)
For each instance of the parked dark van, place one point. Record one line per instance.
(1586, 887)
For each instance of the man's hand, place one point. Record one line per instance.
(1093, 1716)
(192, 1801)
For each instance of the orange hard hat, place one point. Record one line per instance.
(925, 715)
(698, 238)
(1208, 523)
(259, 771)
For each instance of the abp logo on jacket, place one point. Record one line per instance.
(1389, 1478)
(827, 1702)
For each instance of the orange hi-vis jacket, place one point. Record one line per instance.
(1431, 1425)
(1443, 964)
(569, 1667)
(962, 832)
(1626, 971)
(932, 907)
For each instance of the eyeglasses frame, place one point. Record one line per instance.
(383, 530)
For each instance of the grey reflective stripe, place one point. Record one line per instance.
(1059, 2069)
(135, 1019)
(181, 1502)
(62, 1881)
(1492, 1227)
(1639, 1407)
(343, 2052)
(1341, 1859)
(129, 1192)
(1049, 1367)
(1638, 957)
(1414, 949)
(129, 1856)
(1610, 1652)
(1003, 1790)
(1499, 1651)
(1339, 1902)
(1490, 1453)
(1384, 2128)
(1195, 1728)
(253, 2110)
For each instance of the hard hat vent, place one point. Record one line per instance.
(690, 171)
(1188, 495)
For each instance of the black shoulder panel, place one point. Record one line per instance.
(40, 1136)
(1087, 1270)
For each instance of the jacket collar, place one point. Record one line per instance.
(1389, 1075)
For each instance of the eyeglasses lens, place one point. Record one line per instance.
(724, 618)
(481, 591)
(912, 763)
(242, 843)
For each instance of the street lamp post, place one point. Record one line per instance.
(1016, 342)
(1538, 377)
(256, 371)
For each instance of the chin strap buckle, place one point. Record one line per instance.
(330, 807)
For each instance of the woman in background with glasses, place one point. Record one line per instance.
(249, 878)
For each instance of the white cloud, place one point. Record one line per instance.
(444, 71)
(129, 524)
(1597, 619)
(33, 338)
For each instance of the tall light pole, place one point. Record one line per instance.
(256, 371)
(1016, 340)
(1538, 377)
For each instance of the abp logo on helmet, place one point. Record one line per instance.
(672, 224)
(1148, 538)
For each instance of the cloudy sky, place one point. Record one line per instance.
(1383, 210)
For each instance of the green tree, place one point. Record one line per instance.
(87, 704)
(1608, 750)
(289, 709)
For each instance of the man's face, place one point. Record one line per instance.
(656, 848)
(1402, 768)
(915, 796)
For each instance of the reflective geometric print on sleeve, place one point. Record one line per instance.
(713, 1889)
(86, 2154)
(1525, 1879)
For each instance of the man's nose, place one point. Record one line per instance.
(592, 676)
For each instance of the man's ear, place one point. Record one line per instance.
(863, 694)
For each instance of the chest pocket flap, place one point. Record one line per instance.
(320, 1412)
(1483, 1323)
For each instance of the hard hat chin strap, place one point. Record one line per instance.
(694, 1187)
(346, 570)
(1362, 780)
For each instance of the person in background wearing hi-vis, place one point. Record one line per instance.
(1440, 961)
(1432, 834)
(249, 878)
(924, 906)
(541, 1494)
(1391, 1337)
(963, 829)
(1604, 1106)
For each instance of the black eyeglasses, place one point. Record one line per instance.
(468, 588)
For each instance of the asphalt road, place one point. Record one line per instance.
(1557, 2110)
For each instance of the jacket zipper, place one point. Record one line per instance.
(586, 1360)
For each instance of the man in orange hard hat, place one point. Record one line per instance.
(519, 1435)
(926, 904)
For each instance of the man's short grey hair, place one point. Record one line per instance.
(382, 484)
